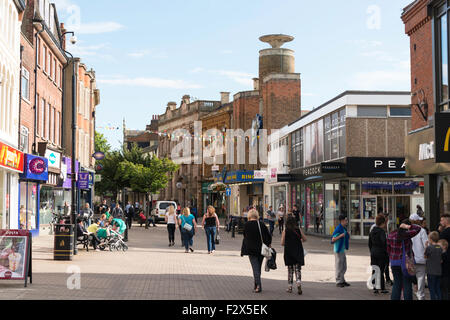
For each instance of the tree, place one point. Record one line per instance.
(101, 144)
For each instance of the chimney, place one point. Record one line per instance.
(224, 97)
(255, 84)
(172, 105)
(186, 99)
(63, 45)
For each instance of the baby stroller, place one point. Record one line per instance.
(113, 241)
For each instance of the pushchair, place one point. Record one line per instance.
(113, 241)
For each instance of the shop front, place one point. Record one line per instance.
(360, 189)
(34, 174)
(428, 154)
(11, 165)
(246, 191)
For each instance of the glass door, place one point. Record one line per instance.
(369, 212)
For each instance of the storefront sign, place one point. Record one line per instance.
(420, 154)
(35, 168)
(260, 174)
(442, 134)
(205, 187)
(14, 254)
(215, 168)
(83, 180)
(67, 182)
(54, 158)
(241, 176)
(98, 155)
(11, 158)
(312, 171)
(376, 167)
(98, 178)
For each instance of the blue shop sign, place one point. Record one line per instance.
(241, 176)
(35, 168)
(83, 180)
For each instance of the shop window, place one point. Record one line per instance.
(355, 188)
(372, 111)
(400, 111)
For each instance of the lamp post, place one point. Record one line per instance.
(73, 40)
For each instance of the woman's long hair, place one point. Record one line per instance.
(171, 210)
(402, 233)
(210, 211)
(186, 212)
(291, 223)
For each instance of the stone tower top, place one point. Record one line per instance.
(276, 40)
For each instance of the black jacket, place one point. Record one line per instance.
(251, 245)
(378, 243)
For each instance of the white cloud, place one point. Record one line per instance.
(151, 53)
(96, 27)
(197, 70)
(80, 50)
(151, 83)
(397, 78)
(243, 78)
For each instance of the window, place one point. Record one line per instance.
(400, 111)
(25, 84)
(44, 57)
(54, 70)
(372, 111)
(441, 55)
(47, 121)
(23, 139)
(57, 130)
(49, 61)
(52, 124)
(39, 54)
(42, 118)
(60, 76)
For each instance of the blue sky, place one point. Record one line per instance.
(147, 52)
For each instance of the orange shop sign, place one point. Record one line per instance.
(11, 158)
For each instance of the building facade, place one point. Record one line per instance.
(11, 159)
(347, 157)
(428, 152)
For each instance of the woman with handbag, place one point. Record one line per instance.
(401, 258)
(211, 224)
(188, 228)
(292, 239)
(256, 245)
(171, 220)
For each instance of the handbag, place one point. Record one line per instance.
(217, 240)
(265, 250)
(186, 226)
(408, 265)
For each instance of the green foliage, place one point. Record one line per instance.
(132, 169)
(101, 144)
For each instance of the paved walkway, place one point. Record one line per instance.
(152, 270)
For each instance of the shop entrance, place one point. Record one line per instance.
(398, 208)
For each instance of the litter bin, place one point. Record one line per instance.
(63, 249)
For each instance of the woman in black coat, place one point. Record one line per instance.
(378, 249)
(251, 245)
(294, 257)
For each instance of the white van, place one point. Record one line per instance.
(159, 212)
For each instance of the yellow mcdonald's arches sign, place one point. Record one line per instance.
(61, 243)
(447, 140)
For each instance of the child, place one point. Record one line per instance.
(292, 238)
(445, 279)
(433, 254)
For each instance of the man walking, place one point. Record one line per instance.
(419, 244)
(130, 214)
(340, 239)
(87, 214)
(271, 217)
(117, 212)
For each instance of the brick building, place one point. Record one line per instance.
(427, 151)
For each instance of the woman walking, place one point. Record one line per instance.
(188, 228)
(171, 220)
(378, 250)
(280, 215)
(399, 247)
(255, 234)
(294, 258)
(211, 224)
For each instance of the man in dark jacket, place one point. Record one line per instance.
(130, 215)
(378, 251)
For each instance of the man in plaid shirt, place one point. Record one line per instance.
(395, 248)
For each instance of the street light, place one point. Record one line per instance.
(73, 40)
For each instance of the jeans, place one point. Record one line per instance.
(171, 230)
(129, 222)
(281, 225)
(256, 262)
(187, 237)
(340, 261)
(445, 281)
(271, 226)
(210, 238)
(434, 285)
(401, 282)
(420, 275)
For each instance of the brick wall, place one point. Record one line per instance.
(418, 28)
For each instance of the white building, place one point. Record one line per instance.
(11, 159)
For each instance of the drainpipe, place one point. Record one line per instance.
(35, 83)
(20, 94)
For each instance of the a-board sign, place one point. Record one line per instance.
(15, 255)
